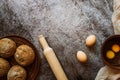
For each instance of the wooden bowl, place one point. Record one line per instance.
(107, 45)
(33, 69)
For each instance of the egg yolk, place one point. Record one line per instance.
(110, 54)
(116, 48)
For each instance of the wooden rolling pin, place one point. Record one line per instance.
(52, 59)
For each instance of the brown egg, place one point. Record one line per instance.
(90, 40)
(16, 72)
(4, 67)
(7, 47)
(24, 55)
(81, 56)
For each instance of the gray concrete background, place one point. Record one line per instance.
(65, 24)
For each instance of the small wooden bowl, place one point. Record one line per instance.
(33, 69)
(107, 45)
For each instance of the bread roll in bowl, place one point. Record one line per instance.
(24, 55)
(17, 72)
(4, 67)
(7, 47)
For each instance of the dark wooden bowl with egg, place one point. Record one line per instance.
(110, 51)
(32, 69)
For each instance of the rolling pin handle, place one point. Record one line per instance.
(43, 42)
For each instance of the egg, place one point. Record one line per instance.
(90, 40)
(110, 54)
(81, 56)
(116, 48)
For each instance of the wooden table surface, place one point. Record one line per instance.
(65, 24)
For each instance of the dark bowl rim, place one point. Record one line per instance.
(102, 49)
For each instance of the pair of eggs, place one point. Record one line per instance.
(90, 41)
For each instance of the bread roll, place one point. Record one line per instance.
(4, 67)
(16, 72)
(24, 55)
(7, 47)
